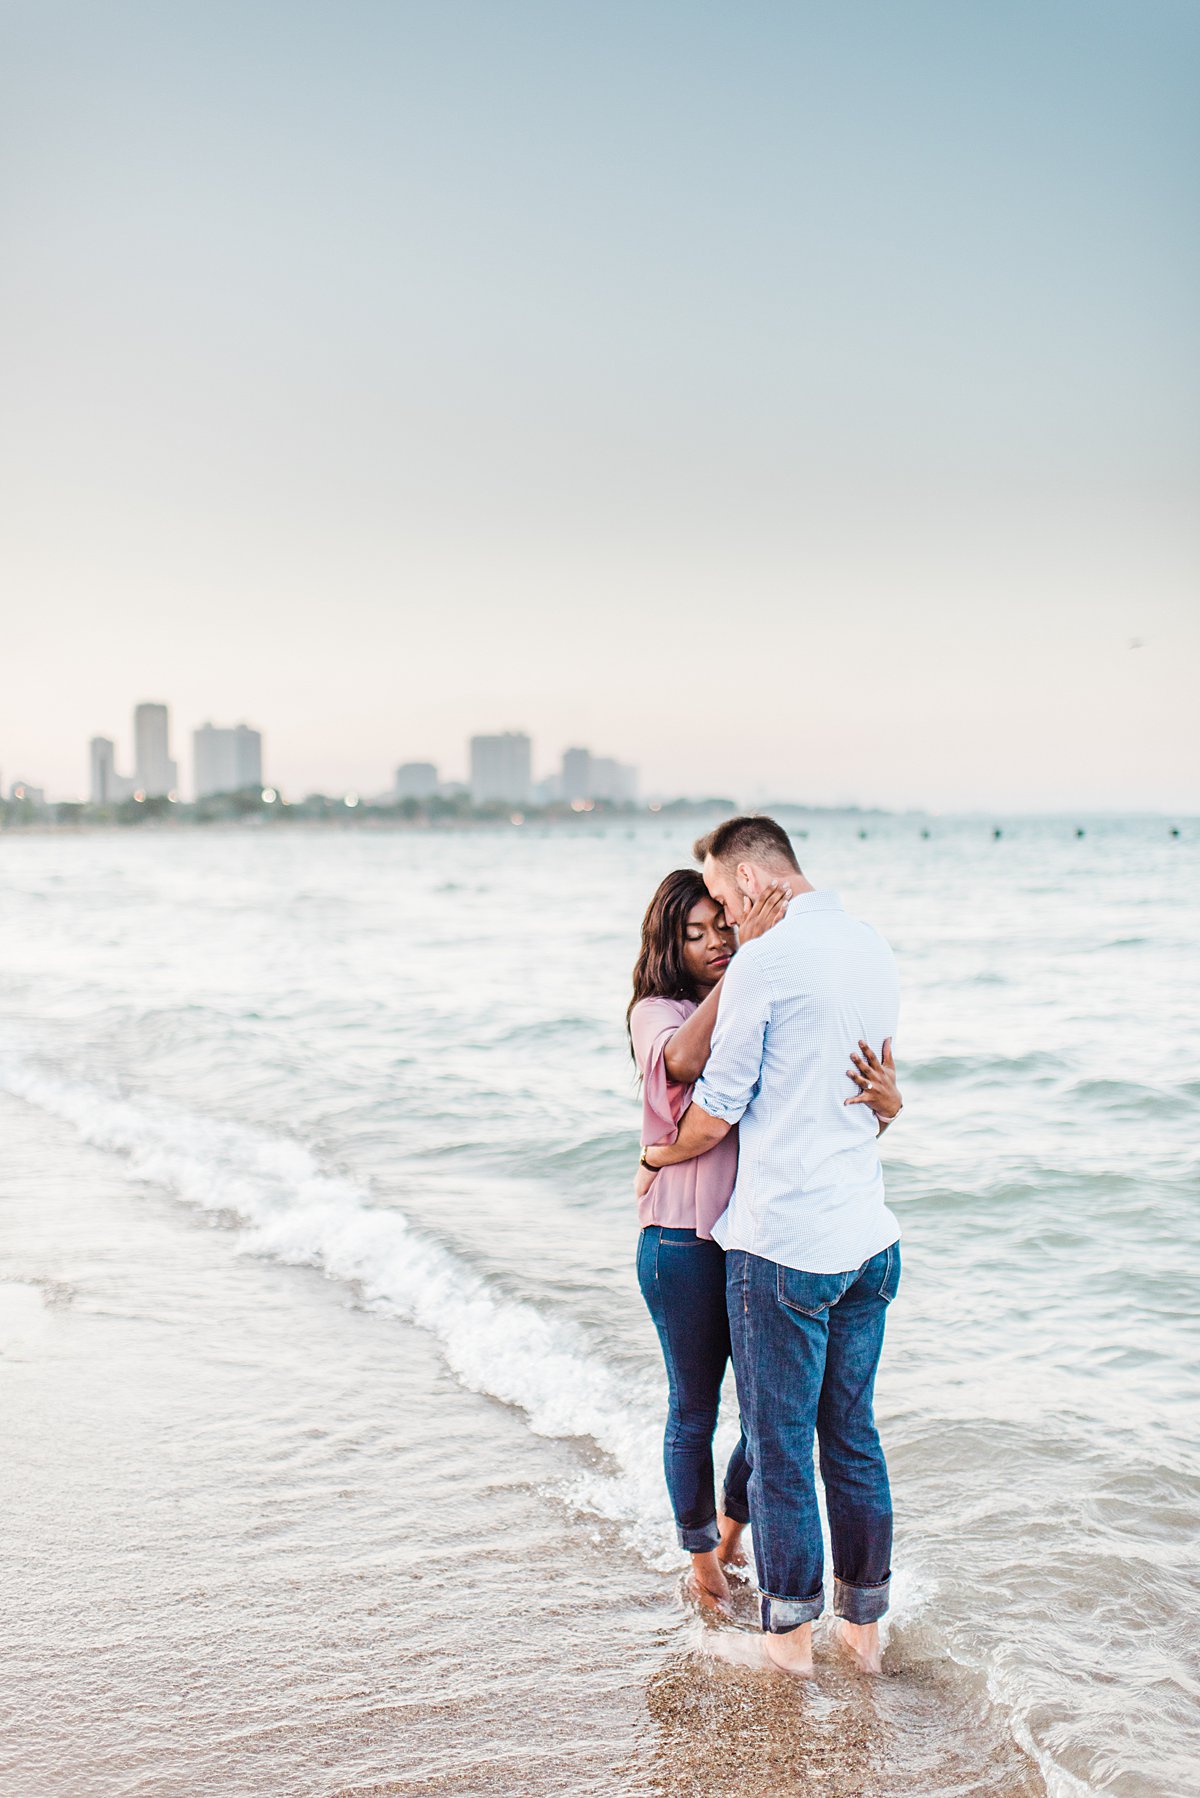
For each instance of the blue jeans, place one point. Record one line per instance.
(682, 1277)
(805, 1349)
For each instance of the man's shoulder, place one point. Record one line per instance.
(752, 960)
(827, 947)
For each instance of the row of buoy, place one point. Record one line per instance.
(997, 833)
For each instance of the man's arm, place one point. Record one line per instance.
(687, 1053)
(731, 1077)
(697, 1134)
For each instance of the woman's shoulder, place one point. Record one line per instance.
(651, 1016)
(657, 1005)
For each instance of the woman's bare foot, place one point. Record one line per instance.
(729, 1548)
(861, 1640)
(707, 1580)
(791, 1652)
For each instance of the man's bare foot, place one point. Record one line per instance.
(707, 1580)
(729, 1548)
(792, 1651)
(861, 1640)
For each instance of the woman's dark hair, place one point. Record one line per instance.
(660, 971)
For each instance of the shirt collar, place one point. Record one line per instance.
(820, 901)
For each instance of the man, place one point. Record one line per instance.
(812, 1251)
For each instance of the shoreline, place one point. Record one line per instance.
(295, 817)
(367, 1578)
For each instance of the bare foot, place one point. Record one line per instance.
(707, 1581)
(729, 1548)
(742, 1647)
(860, 1640)
(791, 1652)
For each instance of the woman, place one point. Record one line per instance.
(686, 947)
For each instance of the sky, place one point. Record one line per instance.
(797, 400)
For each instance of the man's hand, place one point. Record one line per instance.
(766, 911)
(876, 1081)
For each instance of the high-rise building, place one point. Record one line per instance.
(416, 780)
(612, 780)
(104, 773)
(107, 786)
(247, 756)
(502, 769)
(154, 771)
(226, 760)
(576, 775)
(589, 777)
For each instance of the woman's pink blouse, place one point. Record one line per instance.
(691, 1195)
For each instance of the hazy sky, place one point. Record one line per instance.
(798, 400)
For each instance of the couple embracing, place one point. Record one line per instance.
(765, 1234)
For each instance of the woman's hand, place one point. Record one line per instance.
(645, 1180)
(876, 1082)
(766, 911)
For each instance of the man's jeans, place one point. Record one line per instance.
(682, 1277)
(805, 1350)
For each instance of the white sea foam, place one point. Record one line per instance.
(288, 1209)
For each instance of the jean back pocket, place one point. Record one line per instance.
(812, 1294)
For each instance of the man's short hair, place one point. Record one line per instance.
(747, 840)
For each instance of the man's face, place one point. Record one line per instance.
(723, 885)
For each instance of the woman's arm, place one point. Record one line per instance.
(876, 1082)
(688, 1049)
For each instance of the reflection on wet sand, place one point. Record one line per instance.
(720, 1722)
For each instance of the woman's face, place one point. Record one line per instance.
(707, 943)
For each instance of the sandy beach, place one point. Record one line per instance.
(261, 1542)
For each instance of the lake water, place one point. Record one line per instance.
(332, 1409)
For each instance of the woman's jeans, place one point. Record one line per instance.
(805, 1348)
(682, 1277)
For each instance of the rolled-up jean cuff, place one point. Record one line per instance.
(779, 1615)
(861, 1604)
(699, 1542)
(737, 1513)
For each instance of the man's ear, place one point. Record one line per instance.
(745, 877)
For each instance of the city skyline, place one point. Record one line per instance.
(607, 374)
(229, 759)
(424, 777)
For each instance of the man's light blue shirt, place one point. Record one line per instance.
(794, 1003)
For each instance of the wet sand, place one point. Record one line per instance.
(260, 1541)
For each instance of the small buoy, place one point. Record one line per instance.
(925, 834)
(1174, 830)
(862, 833)
(1080, 832)
(997, 833)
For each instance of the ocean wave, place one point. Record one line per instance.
(1132, 1098)
(1039, 1064)
(288, 1209)
(285, 1207)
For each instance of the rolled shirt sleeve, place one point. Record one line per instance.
(734, 1069)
